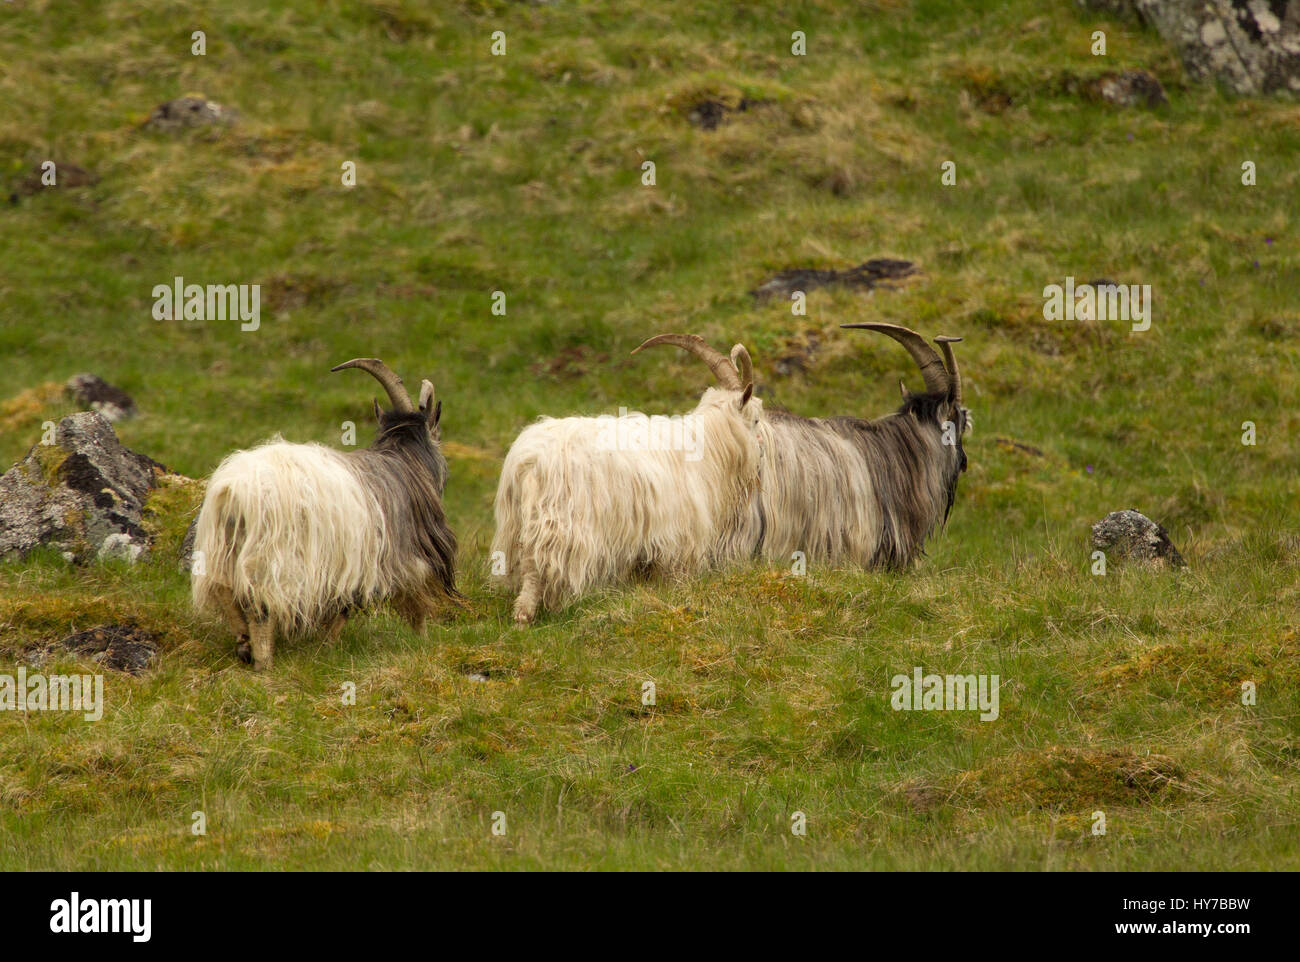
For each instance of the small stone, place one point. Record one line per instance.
(190, 111)
(95, 394)
(120, 546)
(1132, 536)
(1131, 88)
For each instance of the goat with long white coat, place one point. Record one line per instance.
(586, 501)
(291, 538)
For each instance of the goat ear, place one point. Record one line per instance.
(902, 389)
(749, 393)
(378, 413)
(437, 415)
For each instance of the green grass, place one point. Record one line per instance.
(522, 174)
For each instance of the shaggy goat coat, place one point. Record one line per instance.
(847, 489)
(574, 511)
(298, 534)
(866, 492)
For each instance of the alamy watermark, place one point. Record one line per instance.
(37, 692)
(922, 692)
(215, 302)
(1099, 300)
(639, 432)
(75, 915)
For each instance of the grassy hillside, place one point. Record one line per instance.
(522, 173)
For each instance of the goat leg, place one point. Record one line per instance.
(530, 593)
(262, 639)
(336, 627)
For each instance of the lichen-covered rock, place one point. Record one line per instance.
(84, 494)
(1251, 45)
(94, 393)
(1132, 536)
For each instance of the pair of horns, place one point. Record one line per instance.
(732, 373)
(940, 378)
(392, 384)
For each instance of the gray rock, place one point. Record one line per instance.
(186, 112)
(187, 544)
(95, 394)
(1132, 536)
(84, 494)
(1251, 45)
(1131, 88)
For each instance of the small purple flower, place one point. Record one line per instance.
(1256, 263)
(1088, 468)
(1268, 241)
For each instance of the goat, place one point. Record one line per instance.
(868, 492)
(588, 501)
(291, 538)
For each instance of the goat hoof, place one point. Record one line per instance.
(244, 652)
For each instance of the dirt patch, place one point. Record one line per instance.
(1009, 445)
(287, 292)
(117, 647)
(984, 88)
(797, 355)
(572, 362)
(709, 114)
(866, 276)
(66, 176)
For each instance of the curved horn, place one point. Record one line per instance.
(936, 376)
(943, 341)
(391, 382)
(740, 358)
(717, 361)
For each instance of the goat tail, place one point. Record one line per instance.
(292, 535)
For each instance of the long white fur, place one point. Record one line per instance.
(575, 514)
(291, 530)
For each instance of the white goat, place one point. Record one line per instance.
(586, 501)
(293, 537)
